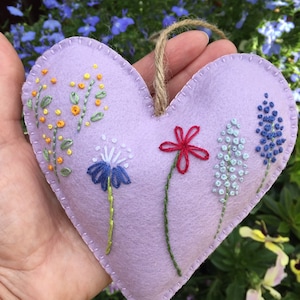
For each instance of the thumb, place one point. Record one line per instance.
(11, 80)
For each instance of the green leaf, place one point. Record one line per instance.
(66, 144)
(46, 155)
(100, 95)
(46, 101)
(29, 103)
(74, 98)
(65, 172)
(235, 290)
(97, 116)
(283, 228)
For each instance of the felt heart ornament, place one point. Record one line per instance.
(151, 196)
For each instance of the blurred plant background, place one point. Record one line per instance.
(261, 258)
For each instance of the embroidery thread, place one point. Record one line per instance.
(270, 132)
(109, 173)
(181, 162)
(231, 169)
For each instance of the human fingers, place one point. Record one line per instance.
(209, 54)
(11, 80)
(180, 52)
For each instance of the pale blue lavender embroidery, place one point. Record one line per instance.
(270, 127)
(231, 168)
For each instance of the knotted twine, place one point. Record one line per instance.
(160, 86)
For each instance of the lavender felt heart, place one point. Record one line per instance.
(153, 197)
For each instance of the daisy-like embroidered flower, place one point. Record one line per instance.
(110, 172)
(184, 148)
(181, 162)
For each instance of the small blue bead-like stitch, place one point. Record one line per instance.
(257, 130)
(266, 147)
(266, 109)
(277, 126)
(273, 159)
(280, 120)
(280, 149)
(265, 162)
(262, 154)
(259, 116)
(258, 148)
(275, 152)
(269, 155)
(265, 102)
(271, 104)
(275, 112)
(266, 95)
(263, 141)
(261, 123)
(259, 107)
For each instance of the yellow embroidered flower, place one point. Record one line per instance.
(295, 267)
(60, 123)
(259, 236)
(75, 109)
(272, 278)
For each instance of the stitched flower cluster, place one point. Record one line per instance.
(270, 127)
(231, 169)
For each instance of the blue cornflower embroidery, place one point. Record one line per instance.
(270, 131)
(110, 172)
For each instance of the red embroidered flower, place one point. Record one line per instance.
(184, 148)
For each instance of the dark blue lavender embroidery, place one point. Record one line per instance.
(270, 127)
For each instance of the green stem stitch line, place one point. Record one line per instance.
(36, 106)
(265, 176)
(267, 169)
(86, 96)
(54, 151)
(224, 204)
(110, 198)
(166, 201)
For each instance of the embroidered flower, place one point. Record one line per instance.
(231, 168)
(181, 161)
(110, 172)
(75, 109)
(270, 128)
(184, 148)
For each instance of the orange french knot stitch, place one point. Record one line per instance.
(44, 71)
(75, 109)
(50, 167)
(81, 85)
(60, 123)
(60, 160)
(99, 76)
(53, 80)
(34, 93)
(42, 119)
(98, 102)
(48, 140)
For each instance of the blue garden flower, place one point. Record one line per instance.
(51, 4)
(120, 24)
(168, 20)
(179, 11)
(270, 128)
(241, 22)
(28, 36)
(86, 30)
(51, 24)
(15, 11)
(252, 1)
(273, 4)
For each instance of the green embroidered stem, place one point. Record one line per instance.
(110, 198)
(166, 201)
(86, 96)
(265, 176)
(36, 106)
(224, 206)
(54, 151)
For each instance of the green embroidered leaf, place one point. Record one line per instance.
(97, 116)
(74, 97)
(46, 101)
(46, 155)
(66, 144)
(65, 172)
(29, 103)
(100, 95)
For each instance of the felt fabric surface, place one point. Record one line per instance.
(90, 120)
